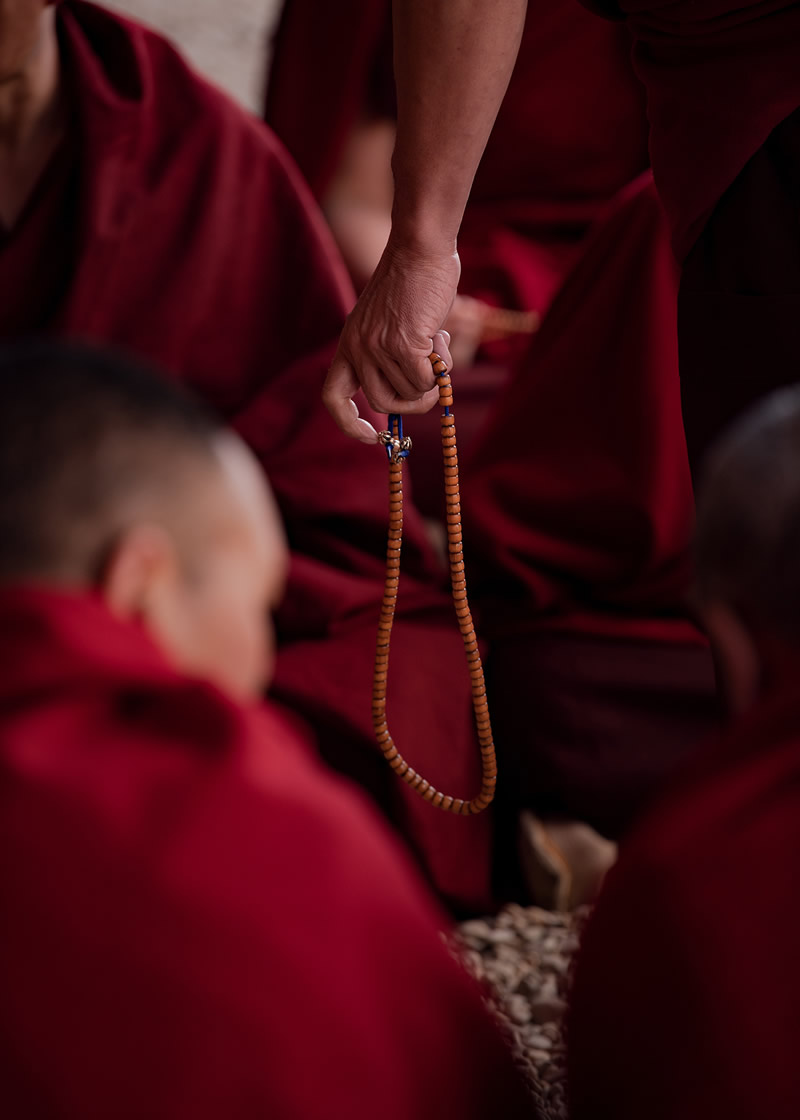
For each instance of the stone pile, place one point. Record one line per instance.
(524, 955)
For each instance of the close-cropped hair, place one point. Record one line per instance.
(85, 434)
(747, 541)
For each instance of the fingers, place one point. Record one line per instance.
(387, 389)
(441, 346)
(341, 385)
(409, 380)
(382, 397)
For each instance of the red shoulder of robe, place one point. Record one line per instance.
(194, 242)
(720, 76)
(197, 921)
(686, 995)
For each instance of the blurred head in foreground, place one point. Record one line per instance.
(748, 549)
(113, 480)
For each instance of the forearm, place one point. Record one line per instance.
(453, 62)
(361, 232)
(358, 203)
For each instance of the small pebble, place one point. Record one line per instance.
(547, 1010)
(519, 1009)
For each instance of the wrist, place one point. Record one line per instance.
(422, 232)
(419, 254)
(426, 212)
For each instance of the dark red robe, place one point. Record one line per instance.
(197, 920)
(723, 96)
(181, 231)
(686, 999)
(578, 514)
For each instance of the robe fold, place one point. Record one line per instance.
(188, 237)
(723, 97)
(198, 921)
(686, 996)
(578, 514)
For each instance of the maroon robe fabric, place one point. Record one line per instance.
(197, 921)
(42, 231)
(720, 75)
(193, 242)
(723, 95)
(686, 998)
(739, 305)
(578, 514)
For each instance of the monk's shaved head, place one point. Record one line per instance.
(89, 442)
(748, 518)
(113, 480)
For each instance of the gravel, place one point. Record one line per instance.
(524, 956)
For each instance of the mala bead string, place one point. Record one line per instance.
(500, 323)
(397, 449)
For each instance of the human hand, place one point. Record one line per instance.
(388, 337)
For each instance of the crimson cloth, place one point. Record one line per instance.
(739, 304)
(720, 75)
(197, 920)
(723, 94)
(189, 238)
(686, 997)
(578, 513)
(42, 231)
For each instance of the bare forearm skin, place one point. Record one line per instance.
(453, 62)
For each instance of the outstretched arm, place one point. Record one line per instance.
(453, 61)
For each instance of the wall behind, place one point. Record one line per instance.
(225, 39)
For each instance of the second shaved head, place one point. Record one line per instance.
(748, 518)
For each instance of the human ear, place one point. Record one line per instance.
(736, 657)
(141, 563)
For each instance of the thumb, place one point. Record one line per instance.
(440, 344)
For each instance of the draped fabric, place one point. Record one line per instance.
(577, 490)
(739, 304)
(578, 514)
(197, 920)
(720, 76)
(193, 242)
(686, 993)
(723, 98)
